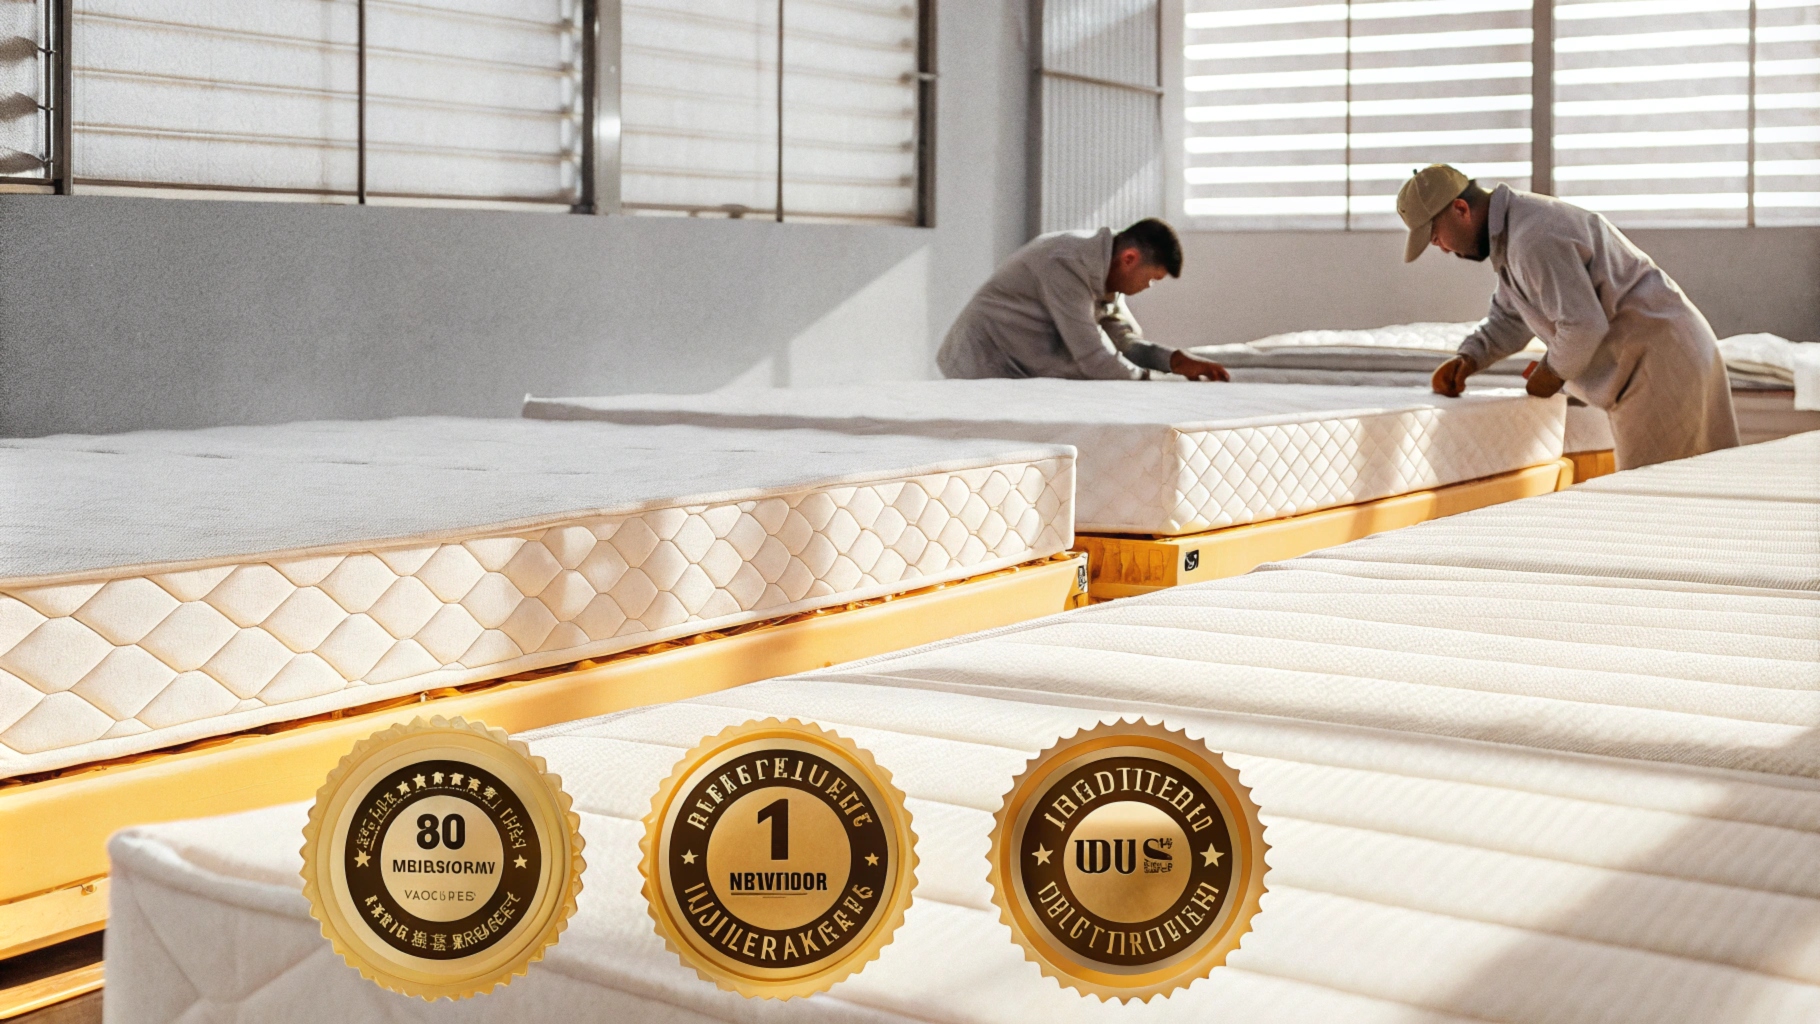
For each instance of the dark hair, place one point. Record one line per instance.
(1155, 241)
(1472, 193)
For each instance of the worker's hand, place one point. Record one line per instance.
(1196, 369)
(1542, 381)
(1450, 377)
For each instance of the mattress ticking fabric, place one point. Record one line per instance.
(1490, 795)
(164, 586)
(1164, 458)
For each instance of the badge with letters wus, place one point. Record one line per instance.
(1128, 860)
(778, 859)
(441, 858)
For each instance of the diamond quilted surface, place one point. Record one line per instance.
(103, 665)
(1164, 457)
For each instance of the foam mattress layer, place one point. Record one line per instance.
(1164, 458)
(1489, 796)
(161, 587)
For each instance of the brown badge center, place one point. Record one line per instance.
(778, 859)
(1127, 861)
(442, 861)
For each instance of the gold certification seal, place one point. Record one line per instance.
(778, 859)
(1128, 860)
(441, 858)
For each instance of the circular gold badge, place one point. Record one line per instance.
(1128, 860)
(778, 859)
(441, 858)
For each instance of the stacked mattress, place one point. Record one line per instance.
(1161, 458)
(1775, 382)
(1543, 792)
(161, 587)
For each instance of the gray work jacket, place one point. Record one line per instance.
(1618, 329)
(1045, 314)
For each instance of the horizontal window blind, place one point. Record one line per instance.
(1652, 109)
(476, 99)
(23, 143)
(1786, 135)
(698, 102)
(1312, 115)
(220, 95)
(1102, 155)
(469, 99)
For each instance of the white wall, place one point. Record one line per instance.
(120, 313)
(1239, 286)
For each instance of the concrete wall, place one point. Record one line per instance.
(1242, 286)
(124, 313)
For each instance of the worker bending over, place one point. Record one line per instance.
(1618, 330)
(1057, 309)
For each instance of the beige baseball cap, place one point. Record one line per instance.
(1421, 198)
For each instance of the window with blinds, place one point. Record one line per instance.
(24, 143)
(1102, 132)
(477, 99)
(1689, 112)
(1311, 115)
(700, 114)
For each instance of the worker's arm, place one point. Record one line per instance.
(1502, 333)
(1120, 326)
(1116, 320)
(1554, 274)
(1071, 302)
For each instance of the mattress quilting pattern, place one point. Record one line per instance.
(1488, 798)
(1165, 458)
(102, 664)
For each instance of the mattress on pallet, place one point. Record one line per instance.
(1164, 458)
(1488, 795)
(161, 587)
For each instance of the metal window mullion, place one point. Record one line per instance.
(1542, 98)
(1750, 135)
(360, 103)
(924, 213)
(1347, 159)
(63, 128)
(598, 190)
(780, 111)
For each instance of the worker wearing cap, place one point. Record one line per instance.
(1620, 333)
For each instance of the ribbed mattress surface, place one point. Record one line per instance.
(160, 587)
(1164, 458)
(1491, 795)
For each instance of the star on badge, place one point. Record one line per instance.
(473, 785)
(436, 778)
(872, 859)
(519, 862)
(489, 793)
(1042, 854)
(361, 859)
(1210, 857)
(455, 779)
(418, 779)
(688, 857)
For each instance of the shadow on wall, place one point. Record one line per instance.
(119, 314)
(1241, 286)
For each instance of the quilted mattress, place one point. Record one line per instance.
(1161, 458)
(161, 587)
(1490, 795)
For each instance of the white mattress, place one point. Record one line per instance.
(1489, 796)
(1160, 457)
(160, 587)
(1754, 361)
(1742, 517)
